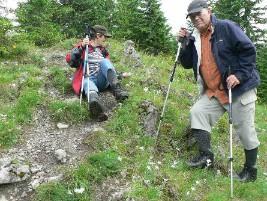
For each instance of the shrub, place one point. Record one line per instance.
(41, 37)
(39, 24)
(5, 26)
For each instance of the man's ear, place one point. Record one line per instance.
(209, 9)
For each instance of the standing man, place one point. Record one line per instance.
(222, 57)
(101, 71)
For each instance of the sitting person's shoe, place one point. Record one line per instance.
(119, 93)
(201, 161)
(248, 174)
(97, 109)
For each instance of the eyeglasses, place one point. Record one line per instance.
(194, 15)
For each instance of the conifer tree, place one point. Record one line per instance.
(249, 14)
(74, 14)
(155, 32)
(143, 22)
(126, 19)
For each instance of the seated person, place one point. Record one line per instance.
(101, 71)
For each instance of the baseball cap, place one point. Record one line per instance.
(102, 30)
(196, 6)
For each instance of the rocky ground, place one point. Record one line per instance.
(45, 151)
(47, 148)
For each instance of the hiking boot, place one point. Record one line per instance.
(206, 157)
(248, 174)
(201, 161)
(96, 107)
(119, 93)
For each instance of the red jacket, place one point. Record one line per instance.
(75, 59)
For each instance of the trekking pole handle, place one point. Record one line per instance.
(180, 41)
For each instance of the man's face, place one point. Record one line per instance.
(100, 39)
(201, 20)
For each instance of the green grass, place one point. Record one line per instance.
(68, 112)
(19, 98)
(53, 192)
(59, 79)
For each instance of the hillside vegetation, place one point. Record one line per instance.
(122, 158)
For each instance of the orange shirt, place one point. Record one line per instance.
(209, 70)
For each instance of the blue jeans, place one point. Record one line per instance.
(99, 82)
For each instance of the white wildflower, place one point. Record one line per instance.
(174, 164)
(142, 148)
(208, 162)
(119, 158)
(146, 89)
(148, 167)
(151, 163)
(193, 188)
(147, 182)
(69, 192)
(79, 190)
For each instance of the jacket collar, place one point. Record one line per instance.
(213, 24)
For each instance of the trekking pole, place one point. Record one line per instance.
(85, 64)
(88, 77)
(231, 136)
(168, 91)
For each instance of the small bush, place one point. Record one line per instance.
(106, 163)
(41, 37)
(8, 133)
(5, 26)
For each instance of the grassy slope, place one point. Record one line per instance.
(124, 152)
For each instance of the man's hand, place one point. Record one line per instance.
(85, 42)
(232, 81)
(183, 32)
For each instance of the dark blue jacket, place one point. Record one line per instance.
(231, 48)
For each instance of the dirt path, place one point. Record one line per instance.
(38, 149)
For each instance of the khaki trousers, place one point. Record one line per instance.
(205, 113)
